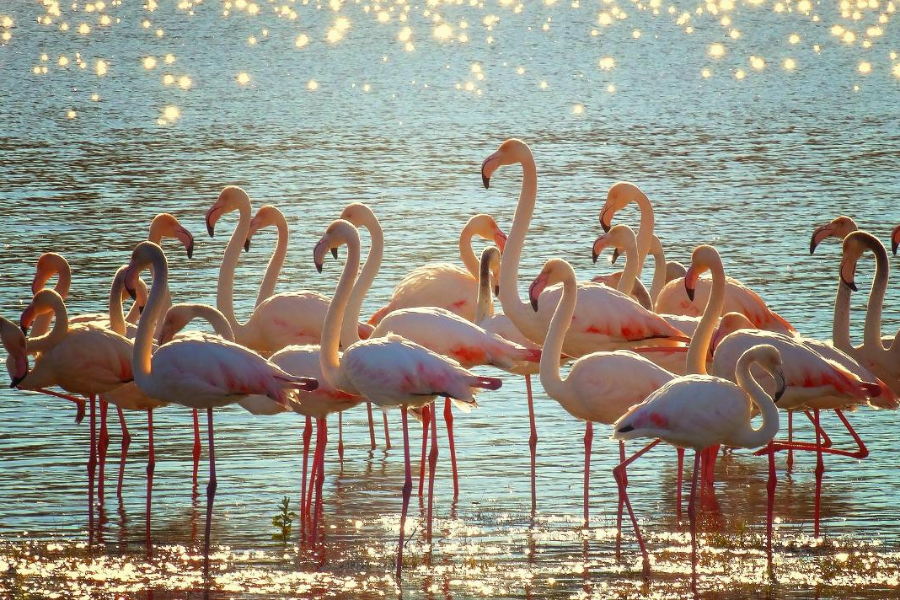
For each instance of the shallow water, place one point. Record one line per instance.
(748, 161)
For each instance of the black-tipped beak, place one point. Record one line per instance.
(24, 329)
(615, 255)
(690, 293)
(486, 181)
(534, 304)
(594, 255)
(334, 252)
(894, 244)
(603, 221)
(496, 291)
(813, 244)
(190, 249)
(15, 381)
(210, 229)
(782, 386)
(131, 292)
(247, 245)
(140, 309)
(850, 284)
(318, 266)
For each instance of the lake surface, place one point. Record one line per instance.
(743, 135)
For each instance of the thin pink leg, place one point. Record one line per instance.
(820, 471)
(692, 513)
(432, 467)
(448, 419)
(151, 467)
(770, 505)
(341, 438)
(532, 444)
(197, 448)
(826, 441)
(322, 441)
(79, 402)
(91, 466)
(210, 493)
(622, 481)
(680, 452)
(407, 490)
(307, 435)
(790, 456)
(713, 455)
(314, 472)
(126, 442)
(588, 439)
(102, 445)
(426, 416)
(387, 432)
(621, 503)
(862, 451)
(371, 425)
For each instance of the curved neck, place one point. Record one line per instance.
(63, 283)
(215, 318)
(632, 268)
(659, 269)
(747, 437)
(465, 250)
(520, 313)
(116, 315)
(484, 305)
(225, 290)
(337, 313)
(47, 341)
(350, 327)
(872, 333)
(143, 341)
(556, 334)
(645, 229)
(699, 347)
(840, 327)
(276, 261)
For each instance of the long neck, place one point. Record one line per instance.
(520, 313)
(143, 341)
(872, 333)
(747, 437)
(699, 347)
(645, 231)
(47, 341)
(350, 327)
(63, 283)
(276, 262)
(225, 292)
(337, 311)
(216, 319)
(659, 269)
(484, 306)
(556, 334)
(116, 315)
(632, 268)
(465, 251)
(840, 327)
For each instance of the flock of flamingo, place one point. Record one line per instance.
(689, 362)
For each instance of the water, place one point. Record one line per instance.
(748, 161)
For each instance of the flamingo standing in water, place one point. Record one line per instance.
(605, 318)
(701, 411)
(199, 373)
(444, 285)
(389, 371)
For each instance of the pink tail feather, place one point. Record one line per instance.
(881, 395)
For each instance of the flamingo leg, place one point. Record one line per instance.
(341, 438)
(532, 444)
(826, 441)
(90, 468)
(407, 490)
(622, 481)
(432, 467)
(862, 451)
(126, 442)
(770, 504)
(197, 448)
(371, 425)
(588, 440)
(712, 453)
(790, 456)
(102, 446)
(426, 416)
(680, 452)
(387, 433)
(820, 471)
(321, 441)
(210, 493)
(314, 473)
(79, 402)
(448, 419)
(151, 467)
(692, 513)
(307, 435)
(621, 504)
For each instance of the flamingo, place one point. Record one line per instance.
(600, 386)
(702, 411)
(199, 373)
(279, 320)
(671, 299)
(389, 371)
(895, 240)
(445, 285)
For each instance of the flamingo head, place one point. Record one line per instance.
(769, 358)
(490, 266)
(620, 238)
(231, 198)
(703, 257)
(855, 245)
(728, 324)
(485, 227)
(48, 265)
(617, 198)
(674, 270)
(340, 232)
(510, 152)
(140, 288)
(267, 216)
(15, 344)
(165, 225)
(895, 240)
(43, 302)
(143, 255)
(839, 228)
(555, 270)
(359, 215)
(176, 319)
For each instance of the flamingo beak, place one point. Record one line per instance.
(40, 280)
(615, 256)
(781, 383)
(185, 237)
(212, 216)
(27, 319)
(848, 275)
(500, 240)
(534, 292)
(895, 240)
(488, 167)
(606, 216)
(496, 291)
(690, 282)
(319, 252)
(818, 235)
(130, 283)
(334, 252)
(247, 245)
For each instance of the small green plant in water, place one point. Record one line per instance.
(283, 521)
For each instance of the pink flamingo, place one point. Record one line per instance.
(389, 371)
(444, 285)
(702, 411)
(199, 373)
